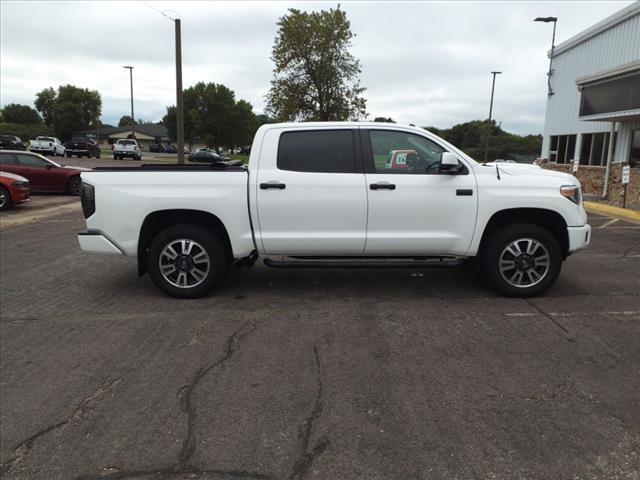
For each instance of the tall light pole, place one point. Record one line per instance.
(486, 142)
(179, 109)
(133, 119)
(553, 41)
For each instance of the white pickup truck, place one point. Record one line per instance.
(323, 194)
(47, 146)
(126, 148)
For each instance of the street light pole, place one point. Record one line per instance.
(133, 118)
(486, 142)
(553, 41)
(179, 106)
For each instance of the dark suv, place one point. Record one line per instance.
(11, 142)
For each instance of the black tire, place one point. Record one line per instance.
(527, 265)
(68, 155)
(203, 238)
(5, 199)
(98, 154)
(74, 185)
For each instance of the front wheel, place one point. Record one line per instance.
(5, 199)
(74, 187)
(187, 261)
(521, 260)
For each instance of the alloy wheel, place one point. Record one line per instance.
(184, 263)
(524, 262)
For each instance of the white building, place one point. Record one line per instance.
(595, 81)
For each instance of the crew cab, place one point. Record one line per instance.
(47, 146)
(322, 194)
(82, 147)
(126, 148)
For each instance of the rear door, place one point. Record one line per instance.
(311, 192)
(414, 209)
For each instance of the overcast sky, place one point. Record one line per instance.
(426, 63)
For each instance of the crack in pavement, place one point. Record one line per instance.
(176, 472)
(629, 250)
(21, 450)
(185, 393)
(545, 314)
(306, 457)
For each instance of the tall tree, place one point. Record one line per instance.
(44, 103)
(212, 115)
(315, 76)
(69, 109)
(20, 114)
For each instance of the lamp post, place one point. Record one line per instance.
(553, 41)
(486, 142)
(133, 119)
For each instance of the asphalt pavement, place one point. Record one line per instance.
(315, 374)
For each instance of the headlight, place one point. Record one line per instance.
(572, 193)
(20, 184)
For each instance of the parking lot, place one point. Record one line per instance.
(323, 374)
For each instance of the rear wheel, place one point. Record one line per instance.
(74, 186)
(187, 261)
(68, 154)
(521, 260)
(5, 199)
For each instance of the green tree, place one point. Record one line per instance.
(126, 120)
(44, 103)
(212, 115)
(20, 114)
(69, 109)
(315, 76)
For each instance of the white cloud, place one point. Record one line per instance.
(426, 63)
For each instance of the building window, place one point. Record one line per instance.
(595, 147)
(634, 151)
(562, 148)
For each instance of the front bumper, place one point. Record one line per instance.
(579, 237)
(95, 242)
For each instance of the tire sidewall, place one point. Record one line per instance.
(503, 237)
(7, 195)
(209, 241)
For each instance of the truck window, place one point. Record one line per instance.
(403, 152)
(326, 151)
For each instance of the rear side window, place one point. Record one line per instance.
(326, 151)
(7, 159)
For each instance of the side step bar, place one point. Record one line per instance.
(437, 262)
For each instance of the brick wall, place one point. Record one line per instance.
(592, 180)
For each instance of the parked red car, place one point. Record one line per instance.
(14, 189)
(43, 174)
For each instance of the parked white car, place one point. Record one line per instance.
(47, 146)
(322, 194)
(126, 148)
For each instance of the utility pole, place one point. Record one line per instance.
(486, 142)
(133, 124)
(179, 107)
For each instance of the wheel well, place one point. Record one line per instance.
(547, 219)
(157, 221)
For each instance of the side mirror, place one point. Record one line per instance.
(449, 163)
(48, 166)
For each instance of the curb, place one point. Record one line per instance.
(613, 211)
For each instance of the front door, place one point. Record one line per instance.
(311, 193)
(414, 209)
